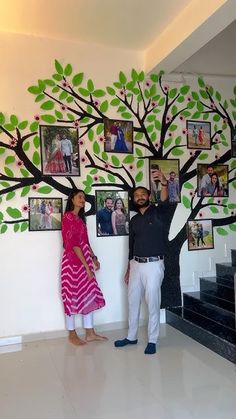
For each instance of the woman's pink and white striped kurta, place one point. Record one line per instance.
(79, 293)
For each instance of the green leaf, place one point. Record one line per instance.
(128, 159)
(141, 76)
(121, 109)
(184, 90)
(90, 86)
(233, 164)
(1, 217)
(63, 95)
(234, 184)
(196, 115)
(104, 156)
(2, 150)
(188, 185)
(99, 93)
(153, 136)
(139, 177)
(222, 231)
(5, 184)
(139, 152)
(181, 99)
(36, 141)
(214, 210)
(16, 227)
(134, 75)
(22, 125)
(96, 147)
(216, 118)
(126, 115)
(48, 105)
(87, 189)
(34, 126)
(110, 91)
(102, 179)
(68, 70)
(115, 102)
(161, 101)
(178, 140)
(205, 116)
(186, 202)
(70, 116)
(111, 178)
(158, 125)
(172, 93)
(57, 77)
(14, 120)
(232, 227)
(115, 161)
(49, 119)
(122, 77)
(204, 94)
(174, 110)
(232, 206)
(104, 106)
(234, 115)
(168, 142)
(24, 172)
(8, 172)
(186, 114)
(25, 191)
(195, 96)
(218, 96)
(173, 127)
(23, 226)
(84, 92)
(154, 78)
(10, 159)
(2, 118)
(100, 129)
(118, 85)
(190, 105)
(150, 128)
(177, 152)
(45, 189)
(59, 115)
(90, 134)
(3, 229)
(9, 127)
(140, 163)
(34, 90)
(226, 211)
(201, 82)
(200, 107)
(13, 212)
(49, 82)
(58, 67)
(93, 171)
(138, 136)
(77, 79)
(203, 156)
(36, 158)
(26, 146)
(10, 195)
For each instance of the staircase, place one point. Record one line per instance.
(208, 316)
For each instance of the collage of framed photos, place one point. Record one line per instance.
(60, 157)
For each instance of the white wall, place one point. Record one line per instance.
(30, 261)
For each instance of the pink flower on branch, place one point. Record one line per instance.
(13, 142)
(83, 160)
(76, 123)
(25, 208)
(148, 83)
(96, 102)
(20, 163)
(35, 187)
(63, 107)
(37, 117)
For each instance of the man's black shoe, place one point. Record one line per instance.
(150, 349)
(125, 342)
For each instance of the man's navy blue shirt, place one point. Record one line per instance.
(104, 219)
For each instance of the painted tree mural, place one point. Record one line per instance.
(158, 112)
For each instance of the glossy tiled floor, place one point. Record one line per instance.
(54, 380)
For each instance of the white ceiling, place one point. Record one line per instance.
(129, 24)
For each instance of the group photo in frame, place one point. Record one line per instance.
(45, 214)
(59, 150)
(233, 142)
(118, 136)
(212, 180)
(112, 213)
(200, 235)
(170, 168)
(198, 135)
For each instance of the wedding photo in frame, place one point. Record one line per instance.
(200, 235)
(198, 135)
(112, 213)
(233, 142)
(45, 214)
(118, 136)
(212, 180)
(170, 168)
(59, 150)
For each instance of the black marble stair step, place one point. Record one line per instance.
(233, 257)
(193, 302)
(225, 270)
(210, 286)
(179, 318)
(219, 302)
(221, 280)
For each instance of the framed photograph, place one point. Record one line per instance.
(112, 213)
(233, 142)
(198, 135)
(45, 214)
(59, 150)
(170, 168)
(212, 180)
(200, 235)
(118, 136)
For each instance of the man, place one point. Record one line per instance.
(173, 188)
(67, 151)
(104, 223)
(146, 265)
(206, 179)
(114, 133)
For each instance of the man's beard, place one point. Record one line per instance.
(142, 203)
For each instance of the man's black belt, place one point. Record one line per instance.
(150, 259)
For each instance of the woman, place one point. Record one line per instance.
(120, 144)
(55, 162)
(200, 235)
(119, 219)
(80, 291)
(213, 188)
(48, 215)
(201, 136)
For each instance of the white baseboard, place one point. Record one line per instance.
(55, 334)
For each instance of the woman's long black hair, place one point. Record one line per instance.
(70, 205)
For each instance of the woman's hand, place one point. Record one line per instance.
(89, 273)
(96, 264)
